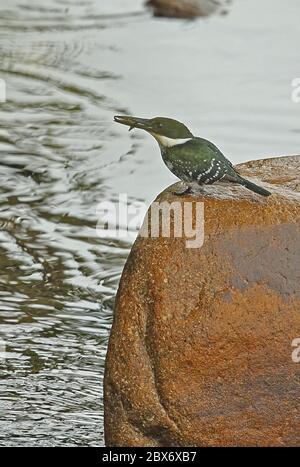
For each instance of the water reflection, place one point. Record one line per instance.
(58, 279)
(69, 67)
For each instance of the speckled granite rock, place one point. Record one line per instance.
(186, 8)
(200, 348)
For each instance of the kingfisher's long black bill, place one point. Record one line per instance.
(134, 122)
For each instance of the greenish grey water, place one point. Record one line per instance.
(69, 66)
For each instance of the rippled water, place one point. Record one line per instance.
(69, 66)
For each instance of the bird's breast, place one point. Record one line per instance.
(182, 168)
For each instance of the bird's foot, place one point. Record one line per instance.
(183, 190)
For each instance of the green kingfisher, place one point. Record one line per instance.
(193, 160)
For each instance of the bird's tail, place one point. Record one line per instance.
(251, 186)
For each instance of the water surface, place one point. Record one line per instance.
(69, 66)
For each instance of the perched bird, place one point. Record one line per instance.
(193, 160)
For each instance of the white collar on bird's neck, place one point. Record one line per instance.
(166, 142)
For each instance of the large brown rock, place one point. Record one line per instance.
(200, 352)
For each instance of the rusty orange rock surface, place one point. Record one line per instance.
(200, 352)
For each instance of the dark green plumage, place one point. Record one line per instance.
(196, 160)
(193, 160)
